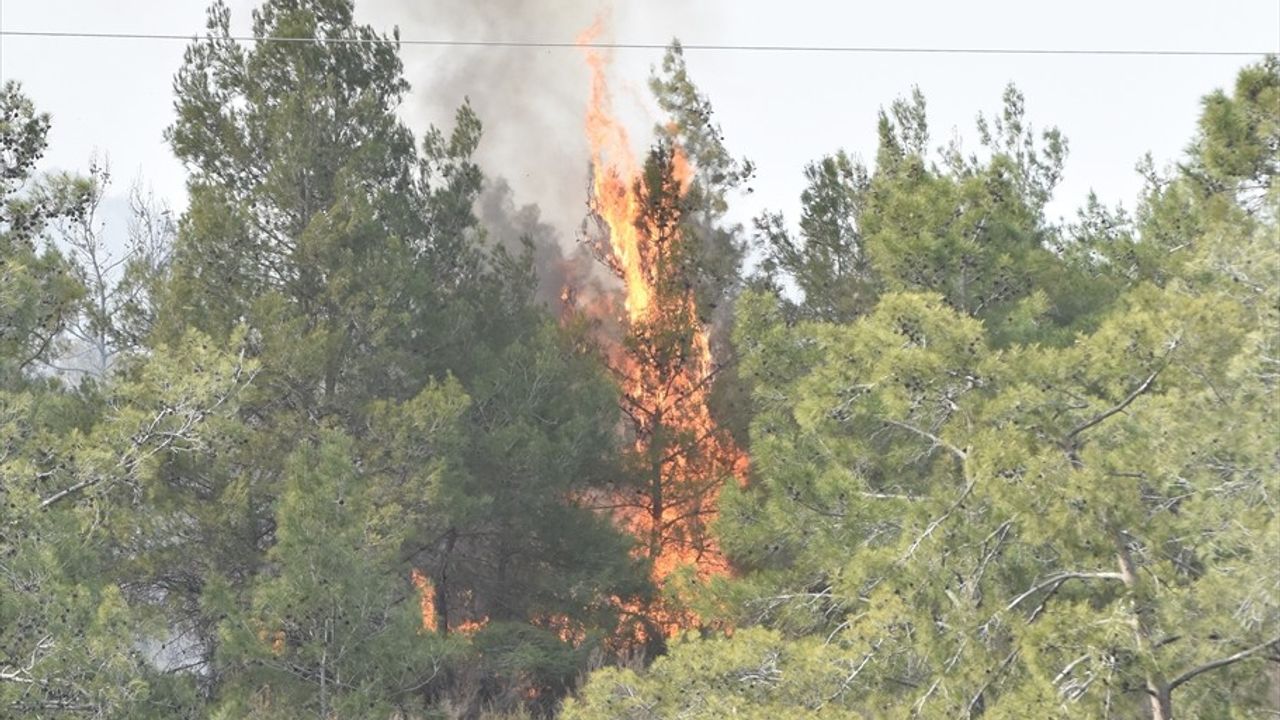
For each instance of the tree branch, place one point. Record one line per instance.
(1221, 663)
(937, 441)
(1058, 580)
(1138, 391)
(964, 494)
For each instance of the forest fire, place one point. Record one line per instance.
(664, 361)
(427, 606)
(426, 599)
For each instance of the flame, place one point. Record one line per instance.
(684, 455)
(469, 627)
(427, 604)
(426, 599)
(274, 639)
(615, 170)
(564, 627)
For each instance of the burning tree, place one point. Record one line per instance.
(679, 456)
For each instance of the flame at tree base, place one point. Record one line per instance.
(427, 606)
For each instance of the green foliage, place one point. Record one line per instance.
(327, 630)
(830, 267)
(377, 311)
(37, 289)
(985, 495)
(999, 467)
(714, 252)
(77, 475)
(970, 230)
(967, 227)
(1236, 148)
(756, 673)
(77, 468)
(543, 418)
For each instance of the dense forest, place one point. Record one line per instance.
(325, 444)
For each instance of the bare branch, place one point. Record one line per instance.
(137, 451)
(1060, 578)
(1070, 666)
(937, 441)
(1138, 391)
(968, 488)
(1221, 663)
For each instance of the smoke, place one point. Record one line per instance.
(532, 102)
(510, 227)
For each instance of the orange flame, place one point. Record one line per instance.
(665, 384)
(564, 627)
(615, 169)
(274, 639)
(427, 604)
(426, 599)
(470, 627)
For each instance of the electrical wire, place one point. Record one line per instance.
(695, 47)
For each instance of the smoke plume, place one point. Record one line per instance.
(532, 102)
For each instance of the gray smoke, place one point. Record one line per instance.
(532, 102)
(511, 227)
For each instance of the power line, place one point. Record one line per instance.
(697, 47)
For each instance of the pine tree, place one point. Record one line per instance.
(77, 465)
(356, 262)
(679, 262)
(330, 631)
(971, 521)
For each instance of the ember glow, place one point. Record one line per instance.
(664, 363)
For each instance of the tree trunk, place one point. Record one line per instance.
(657, 501)
(1158, 691)
(442, 582)
(1161, 703)
(324, 676)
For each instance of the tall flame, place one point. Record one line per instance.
(683, 456)
(426, 599)
(615, 172)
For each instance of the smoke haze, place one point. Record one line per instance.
(531, 101)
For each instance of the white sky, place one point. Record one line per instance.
(781, 110)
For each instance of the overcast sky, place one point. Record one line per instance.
(780, 110)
